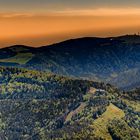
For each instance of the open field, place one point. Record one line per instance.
(20, 58)
(100, 125)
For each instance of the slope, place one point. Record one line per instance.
(111, 60)
(36, 105)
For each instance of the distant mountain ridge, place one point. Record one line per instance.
(114, 60)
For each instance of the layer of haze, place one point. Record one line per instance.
(43, 22)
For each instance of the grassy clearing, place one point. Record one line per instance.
(100, 125)
(20, 58)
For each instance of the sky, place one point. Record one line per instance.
(43, 22)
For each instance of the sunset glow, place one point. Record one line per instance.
(42, 28)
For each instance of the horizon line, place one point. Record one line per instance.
(75, 38)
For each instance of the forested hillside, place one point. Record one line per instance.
(38, 105)
(111, 60)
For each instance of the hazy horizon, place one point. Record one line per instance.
(36, 23)
(37, 44)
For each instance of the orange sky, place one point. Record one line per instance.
(46, 28)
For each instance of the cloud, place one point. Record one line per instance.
(15, 15)
(72, 12)
(101, 12)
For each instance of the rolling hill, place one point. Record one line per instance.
(114, 60)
